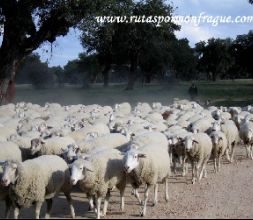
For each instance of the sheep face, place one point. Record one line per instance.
(132, 160)
(79, 170)
(249, 135)
(216, 139)
(36, 145)
(216, 126)
(189, 144)
(9, 174)
(71, 153)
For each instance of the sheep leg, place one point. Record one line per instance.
(185, 167)
(37, 209)
(8, 208)
(144, 207)
(219, 163)
(193, 172)
(232, 152)
(247, 151)
(227, 154)
(251, 152)
(215, 165)
(167, 190)
(137, 196)
(106, 202)
(91, 204)
(155, 195)
(122, 198)
(72, 210)
(98, 202)
(49, 207)
(16, 212)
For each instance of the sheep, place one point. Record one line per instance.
(81, 134)
(8, 151)
(6, 132)
(110, 140)
(231, 131)
(202, 125)
(52, 146)
(148, 165)
(246, 134)
(220, 144)
(123, 109)
(98, 174)
(34, 181)
(149, 138)
(199, 148)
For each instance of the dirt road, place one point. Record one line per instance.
(228, 194)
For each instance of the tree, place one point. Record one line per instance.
(33, 71)
(26, 24)
(214, 57)
(251, 1)
(130, 43)
(184, 62)
(242, 50)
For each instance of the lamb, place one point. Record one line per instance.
(148, 165)
(98, 174)
(220, 144)
(8, 151)
(52, 146)
(34, 181)
(199, 148)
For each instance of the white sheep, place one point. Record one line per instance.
(109, 141)
(148, 165)
(98, 174)
(34, 181)
(231, 131)
(81, 134)
(202, 125)
(52, 146)
(199, 149)
(149, 138)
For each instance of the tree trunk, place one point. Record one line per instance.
(106, 75)
(148, 78)
(132, 73)
(7, 81)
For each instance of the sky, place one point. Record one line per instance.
(68, 47)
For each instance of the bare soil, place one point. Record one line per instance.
(228, 194)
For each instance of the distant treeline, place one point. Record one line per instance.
(211, 60)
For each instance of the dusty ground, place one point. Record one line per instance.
(228, 194)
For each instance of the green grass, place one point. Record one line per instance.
(225, 93)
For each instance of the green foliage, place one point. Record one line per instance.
(214, 57)
(37, 73)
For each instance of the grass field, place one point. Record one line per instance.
(225, 93)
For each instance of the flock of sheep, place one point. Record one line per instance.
(48, 150)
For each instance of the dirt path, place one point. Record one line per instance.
(228, 194)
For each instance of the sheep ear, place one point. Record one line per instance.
(142, 156)
(88, 166)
